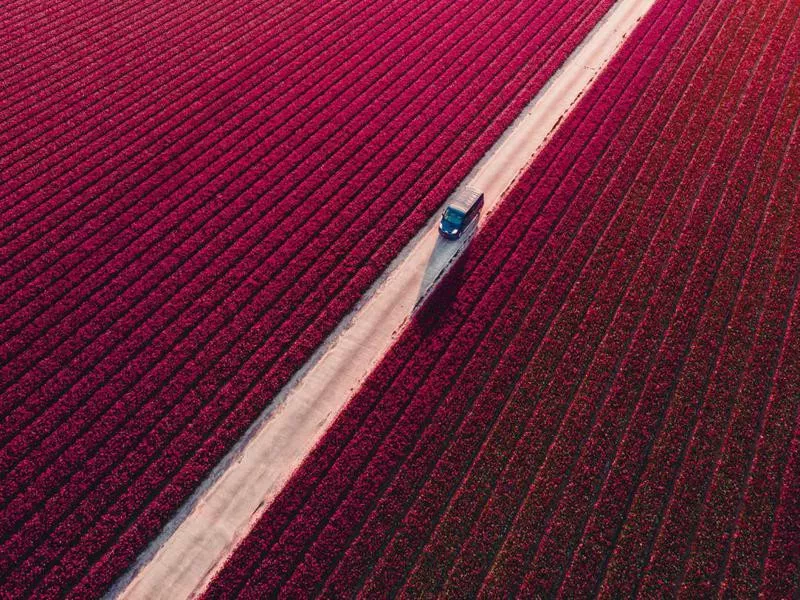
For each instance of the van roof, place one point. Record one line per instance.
(465, 198)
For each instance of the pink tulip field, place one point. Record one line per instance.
(192, 195)
(601, 398)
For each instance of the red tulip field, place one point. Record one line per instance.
(192, 196)
(601, 397)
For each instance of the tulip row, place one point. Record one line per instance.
(748, 419)
(156, 296)
(592, 403)
(553, 551)
(697, 466)
(239, 241)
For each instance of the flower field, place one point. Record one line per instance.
(192, 195)
(602, 396)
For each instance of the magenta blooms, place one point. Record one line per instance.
(602, 396)
(192, 195)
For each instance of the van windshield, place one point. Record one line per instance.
(451, 215)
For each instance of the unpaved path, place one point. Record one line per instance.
(184, 558)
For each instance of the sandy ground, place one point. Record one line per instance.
(194, 545)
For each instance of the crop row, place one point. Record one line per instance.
(604, 528)
(176, 243)
(243, 244)
(27, 406)
(598, 414)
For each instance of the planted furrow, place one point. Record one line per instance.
(151, 299)
(746, 422)
(667, 551)
(620, 476)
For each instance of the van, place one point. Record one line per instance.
(460, 212)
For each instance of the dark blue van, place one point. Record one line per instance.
(460, 212)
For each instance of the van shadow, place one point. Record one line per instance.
(444, 275)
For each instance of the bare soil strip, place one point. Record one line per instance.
(194, 545)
